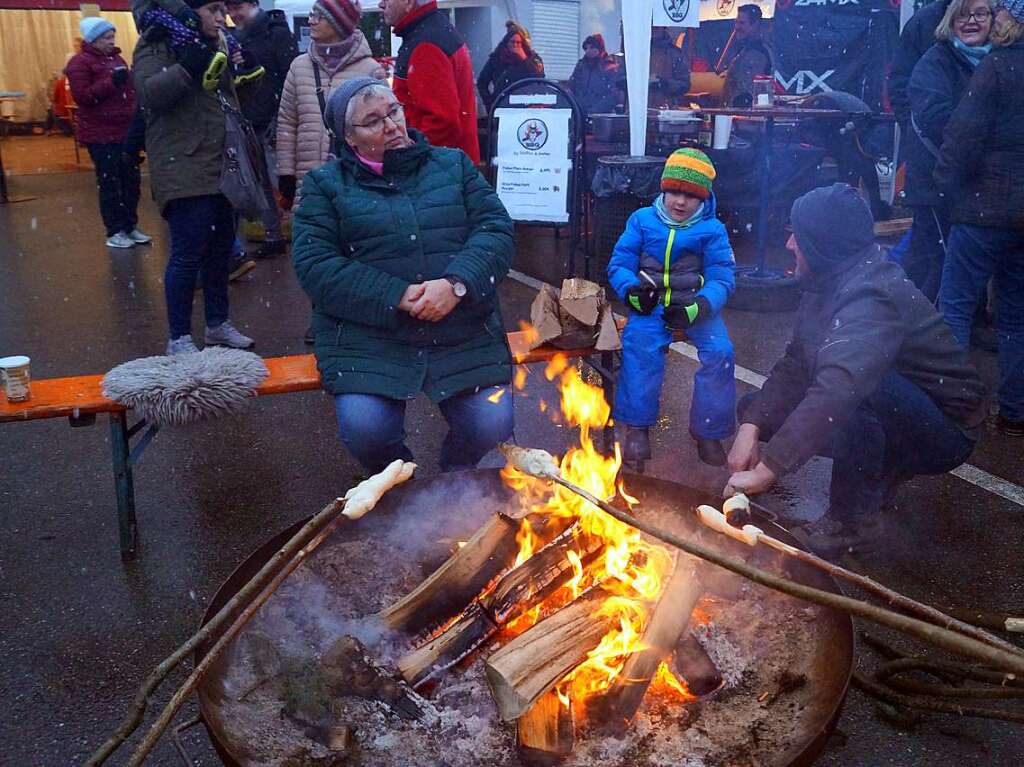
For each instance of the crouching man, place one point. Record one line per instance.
(872, 377)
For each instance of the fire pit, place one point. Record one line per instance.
(314, 679)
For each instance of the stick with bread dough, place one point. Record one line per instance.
(364, 496)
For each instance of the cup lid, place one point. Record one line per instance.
(13, 362)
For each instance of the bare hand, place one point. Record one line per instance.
(757, 480)
(436, 302)
(236, 57)
(745, 452)
(411, 296)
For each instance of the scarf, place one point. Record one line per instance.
(372, 165)
(666, 218)
(972, 53)
(335, 55)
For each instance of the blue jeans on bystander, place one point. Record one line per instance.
(895, 434)
(977, 253)
(373, 427)
(202, 229)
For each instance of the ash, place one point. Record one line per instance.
(273, 706)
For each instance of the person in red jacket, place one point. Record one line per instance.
(434, 75)
(102, 87)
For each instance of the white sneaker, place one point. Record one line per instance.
(139, 238)
(181, 345)
(120, 240)
(227, 334)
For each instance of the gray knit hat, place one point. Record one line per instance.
(1016, 9)
(337, 104)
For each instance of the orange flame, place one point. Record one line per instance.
(496, 397)
(632, 570)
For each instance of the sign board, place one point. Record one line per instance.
(533, 163)
(719, 10)
(677, 13)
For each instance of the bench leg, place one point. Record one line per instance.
(608, 389)
(124, 485)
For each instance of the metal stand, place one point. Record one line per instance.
(125, 457)
(762, 213)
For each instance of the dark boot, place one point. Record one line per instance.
(830, 539)
(710, 451)
(635, 443)
(271, 248)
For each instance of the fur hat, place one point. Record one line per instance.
(342, 15)
(688, 170)
(93, 27)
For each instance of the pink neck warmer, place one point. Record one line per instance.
(376, 167)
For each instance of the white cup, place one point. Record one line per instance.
(723, 129)
(16, 378)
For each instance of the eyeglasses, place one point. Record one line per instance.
(980, 16)
(315, 17)
(394, 114)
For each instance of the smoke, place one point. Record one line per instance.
(601, 16)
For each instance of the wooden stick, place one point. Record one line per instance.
(716, 520)
(396, 472)
(926, 632)
(546, 732)
(665, 625)
(539, 658)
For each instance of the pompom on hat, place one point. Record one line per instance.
(690, 171)
(93, 27)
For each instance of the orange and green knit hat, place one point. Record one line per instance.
(688, 170)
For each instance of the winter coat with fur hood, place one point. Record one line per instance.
(302, 140)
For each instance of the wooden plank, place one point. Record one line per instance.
(545, 733)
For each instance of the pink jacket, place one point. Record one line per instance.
(302, 141)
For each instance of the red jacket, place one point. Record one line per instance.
(434, 80)
(105, 110)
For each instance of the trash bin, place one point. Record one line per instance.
(622, 184)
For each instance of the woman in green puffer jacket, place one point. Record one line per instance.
(401, 246)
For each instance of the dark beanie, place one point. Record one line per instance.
(337, 104)
(595, 40)
(831, 225)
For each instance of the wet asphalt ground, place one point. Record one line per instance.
(80, 630)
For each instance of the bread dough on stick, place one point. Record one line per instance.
(532, 461)
(364, 496)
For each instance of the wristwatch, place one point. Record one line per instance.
(458, 286)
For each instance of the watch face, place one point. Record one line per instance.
(459, 288)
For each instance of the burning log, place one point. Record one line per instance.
(348, 670)
(546, 732)
(518, 591)
(665, 625)
(453, 585)
(693, 664)
(536, 660)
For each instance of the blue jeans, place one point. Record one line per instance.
(977, 253)
(895, 434)
(373, 427)
(645, 341)
(118, 184)
(202, 229)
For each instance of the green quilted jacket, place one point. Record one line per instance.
(359, 240)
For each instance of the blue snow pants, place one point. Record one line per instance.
(645, 342)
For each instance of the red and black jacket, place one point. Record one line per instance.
(434, 80)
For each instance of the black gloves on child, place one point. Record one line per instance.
(643, 298)
(680, 317)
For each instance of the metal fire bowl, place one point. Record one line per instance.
(487, 492)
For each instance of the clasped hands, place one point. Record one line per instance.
(431, 301)
(749, 473)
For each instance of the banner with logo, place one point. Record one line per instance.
(677, 13)
(720, 10)
(533, 163)
(835, 45)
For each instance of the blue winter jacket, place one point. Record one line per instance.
(646, 239)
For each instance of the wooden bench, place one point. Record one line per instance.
(80, 399)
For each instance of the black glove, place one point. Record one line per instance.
(680, 317)
(642, 298)
(190, 19)
(286, 186)
(195, 57)
(119, 75)
(131, 159)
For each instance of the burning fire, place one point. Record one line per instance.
(631, 569)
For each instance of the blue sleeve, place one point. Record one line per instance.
(624, 265)
(719, 269)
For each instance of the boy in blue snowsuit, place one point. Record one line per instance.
(674, 267)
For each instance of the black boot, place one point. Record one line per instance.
(635, 443)
(710, 451)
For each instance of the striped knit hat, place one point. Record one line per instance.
(690, 171)
(342, 15)
(1016, 9)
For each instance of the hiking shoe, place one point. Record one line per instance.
(211, 77)
(829, 538)
(120, 240)
(139, 237)
(227, 334)
(181, 345)
(710, 451)
(1009, 428)
(240, 264)
(271, 248)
